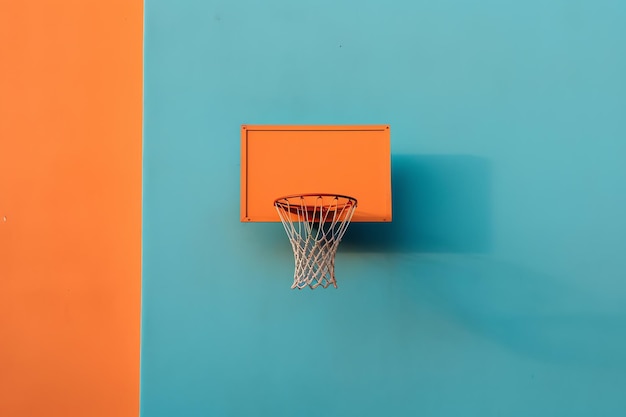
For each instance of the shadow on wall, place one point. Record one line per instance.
(441, 203)
(537, 315)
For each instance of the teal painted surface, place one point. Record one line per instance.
(500, 288)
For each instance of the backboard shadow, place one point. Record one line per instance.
(441, 203)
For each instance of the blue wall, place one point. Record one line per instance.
(499, 289)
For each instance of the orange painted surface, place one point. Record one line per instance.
(278, 161)
(70, 207)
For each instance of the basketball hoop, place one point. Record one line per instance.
(315, 224)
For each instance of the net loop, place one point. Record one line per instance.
(315, 224)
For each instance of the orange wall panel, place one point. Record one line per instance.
(70, 207)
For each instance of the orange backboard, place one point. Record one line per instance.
(277, 161)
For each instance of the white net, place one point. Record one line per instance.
(315, 224)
